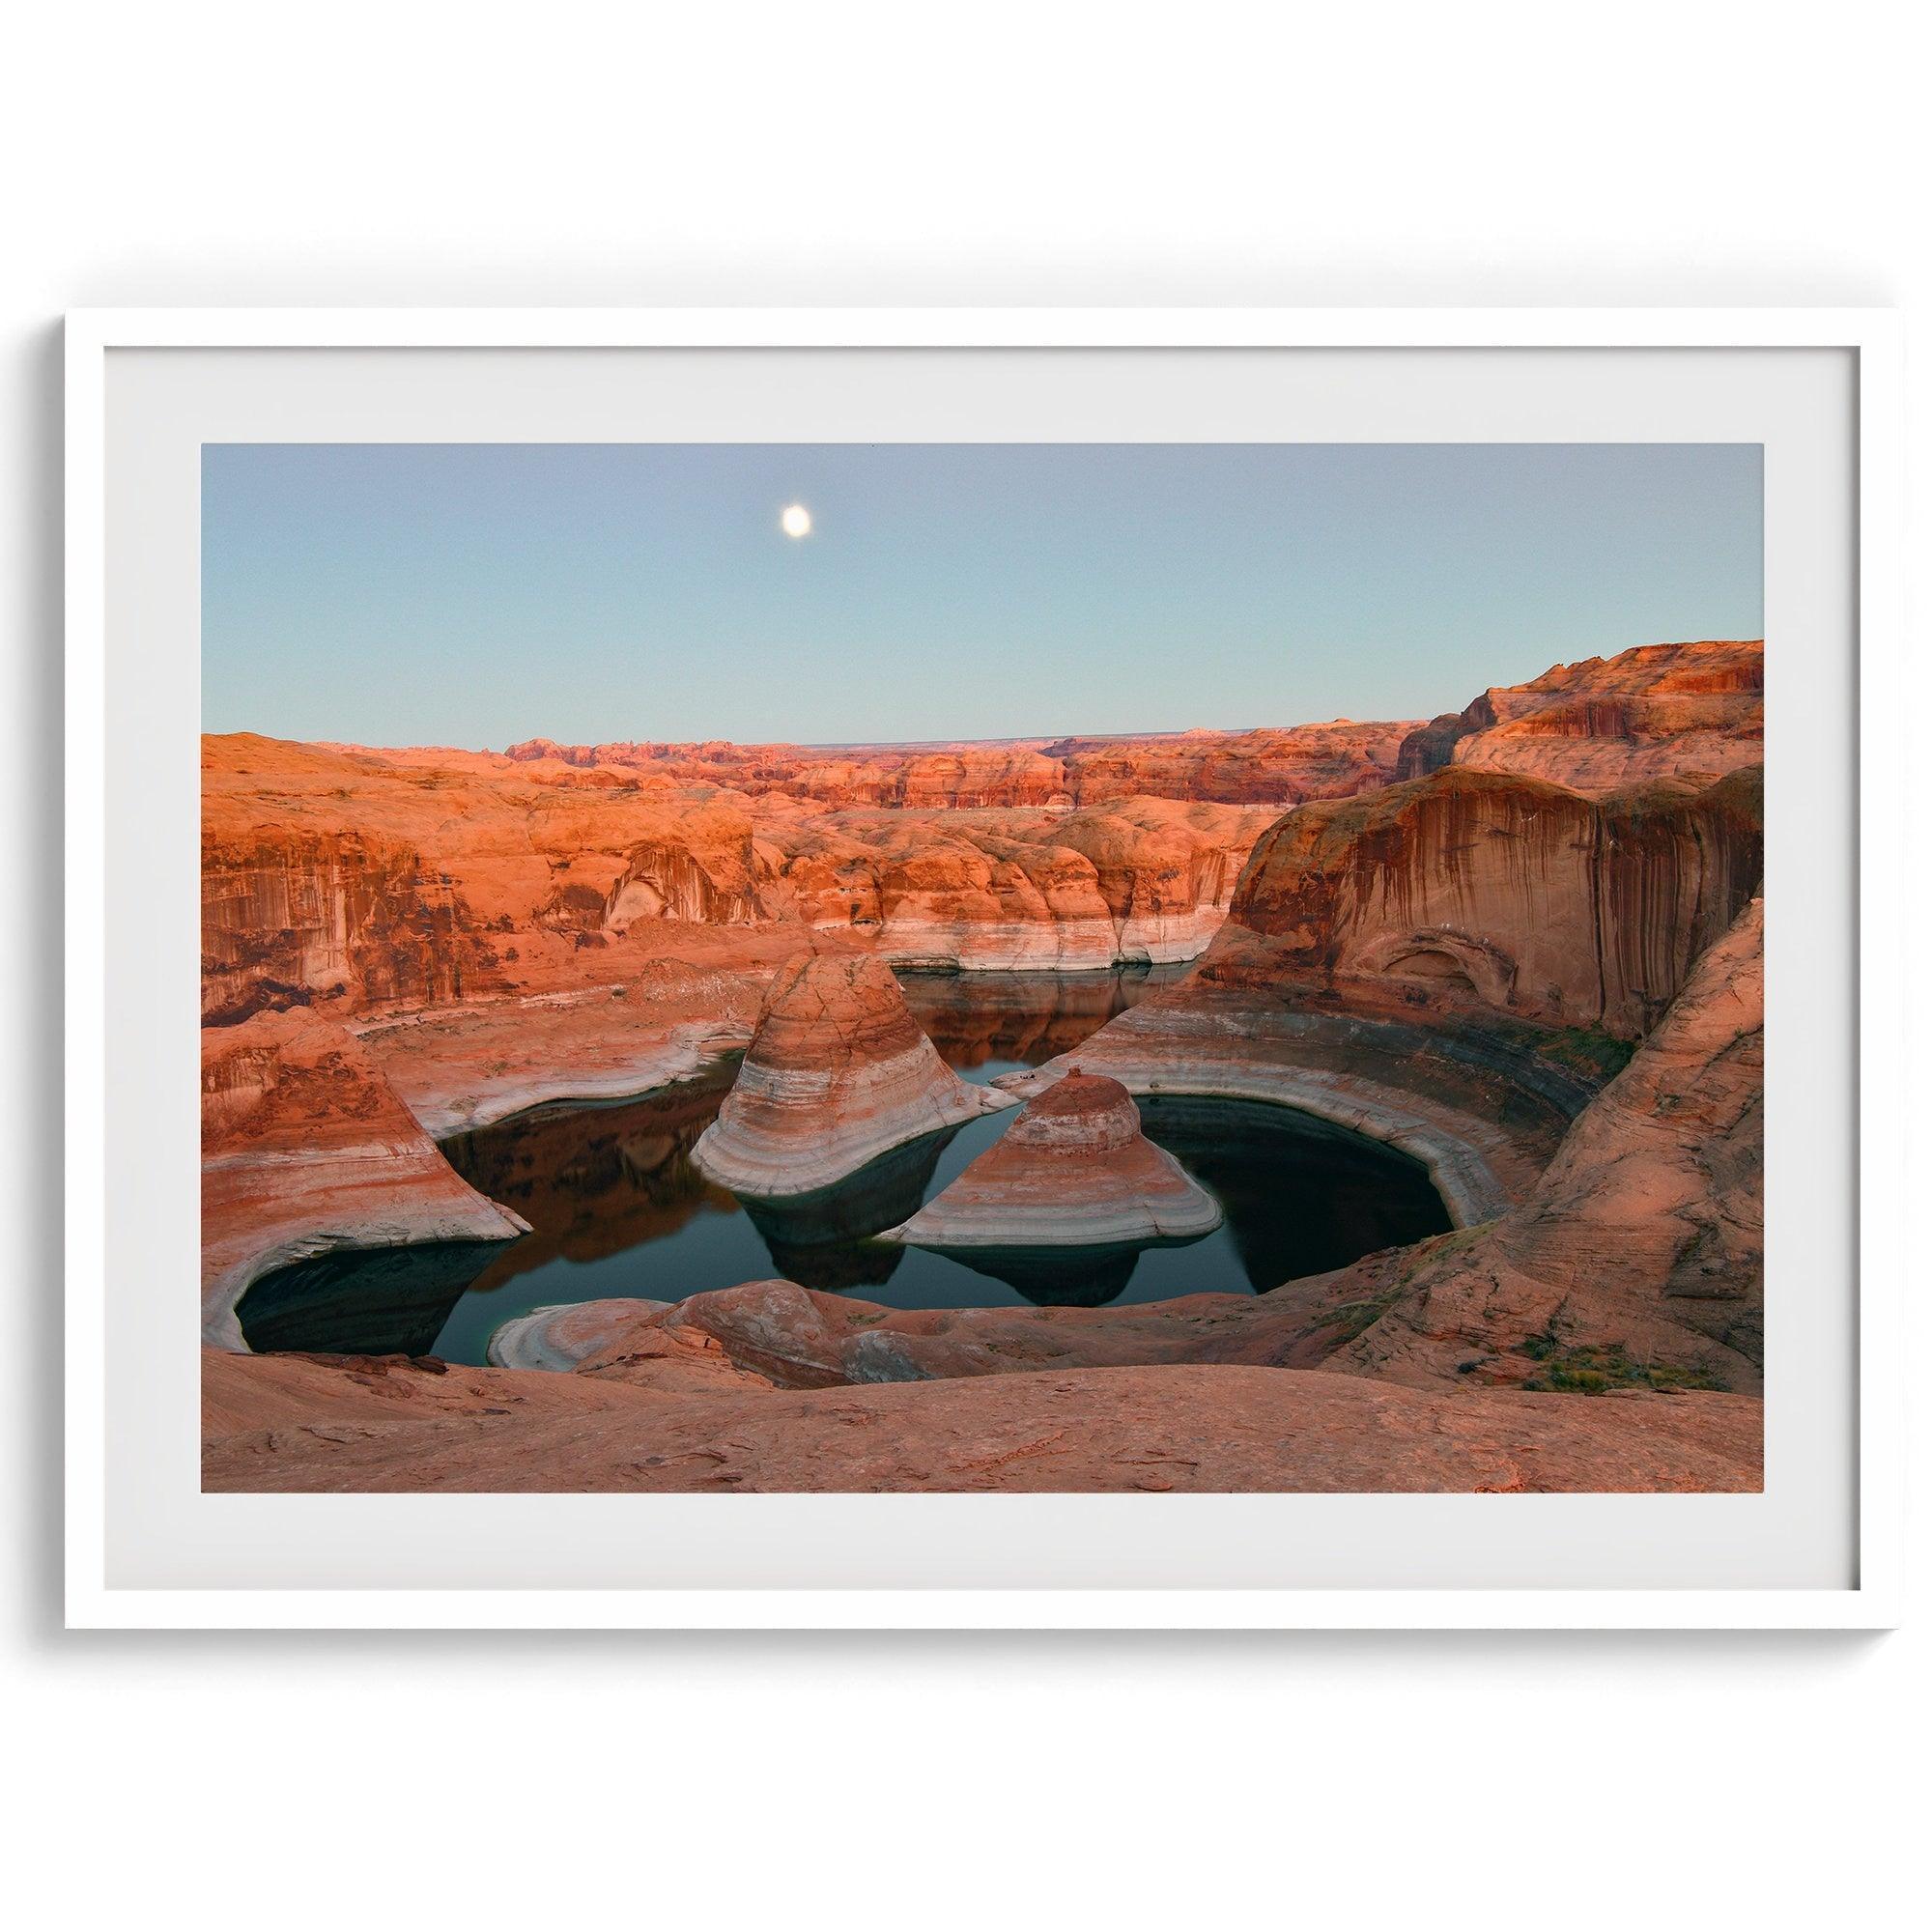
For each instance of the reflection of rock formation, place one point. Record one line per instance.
(1476, 889)
(1658, 711)
(1074, 1170)
(305, 1151)
(1058, 1277)
(836, 1075)
(1301, 1196)
(593, 1181)
(382, 1301)
(825, 1239)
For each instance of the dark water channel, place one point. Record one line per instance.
(616, 1208)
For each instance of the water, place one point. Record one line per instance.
(616, 1208)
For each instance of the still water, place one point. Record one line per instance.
(616, 1208)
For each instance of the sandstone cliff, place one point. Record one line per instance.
(1479, 889)
(1637, 1259)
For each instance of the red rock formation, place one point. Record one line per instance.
(1693, 710)
(562, 1336)
(366, 883)
(1073, 1170)
(462, 1066)
(1639, 1250)
(294, 1423)
(837, 1075)
(1479, 889)
(304, 1148)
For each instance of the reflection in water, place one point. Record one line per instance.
(616, 1208)
(362, 1301)
(1301, 1196)
(1059, 1277)
(598, 1179)
(822, 1239)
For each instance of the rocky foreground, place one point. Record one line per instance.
(1453, 942)
(290, 1423)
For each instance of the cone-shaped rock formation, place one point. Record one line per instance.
(1074, 1170)
(837, 1075)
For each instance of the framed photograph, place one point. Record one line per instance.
(983, 968)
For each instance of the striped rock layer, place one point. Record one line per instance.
(1074, 1170)
(837, 1075)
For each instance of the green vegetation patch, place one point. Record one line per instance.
(1588, 1050)
(1600, 1370)
(1352, 1318)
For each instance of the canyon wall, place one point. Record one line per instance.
(1472, 888)
(1692, 710)
(1637, 1261)
(366, 882)
(1278, 767)
(369, 882)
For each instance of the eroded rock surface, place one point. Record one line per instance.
(305, 1149)
(560, 1337)
(1074, 1170)
(297, 1423)
(837, 1075)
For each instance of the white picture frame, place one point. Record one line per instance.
(1870, 1597)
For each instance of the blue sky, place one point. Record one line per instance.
(478, 593)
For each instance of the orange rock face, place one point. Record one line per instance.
(365, 882)
(305, 1149)
(1486, 889)
(837, 1075)
(1074, 1170)
(1693, 710)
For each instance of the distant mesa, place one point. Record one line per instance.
(1074, 1170)
(837, 1075)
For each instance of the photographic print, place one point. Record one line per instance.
(937, 967)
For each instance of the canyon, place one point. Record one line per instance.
(1520, 947)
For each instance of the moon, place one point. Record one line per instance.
(795, 521)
